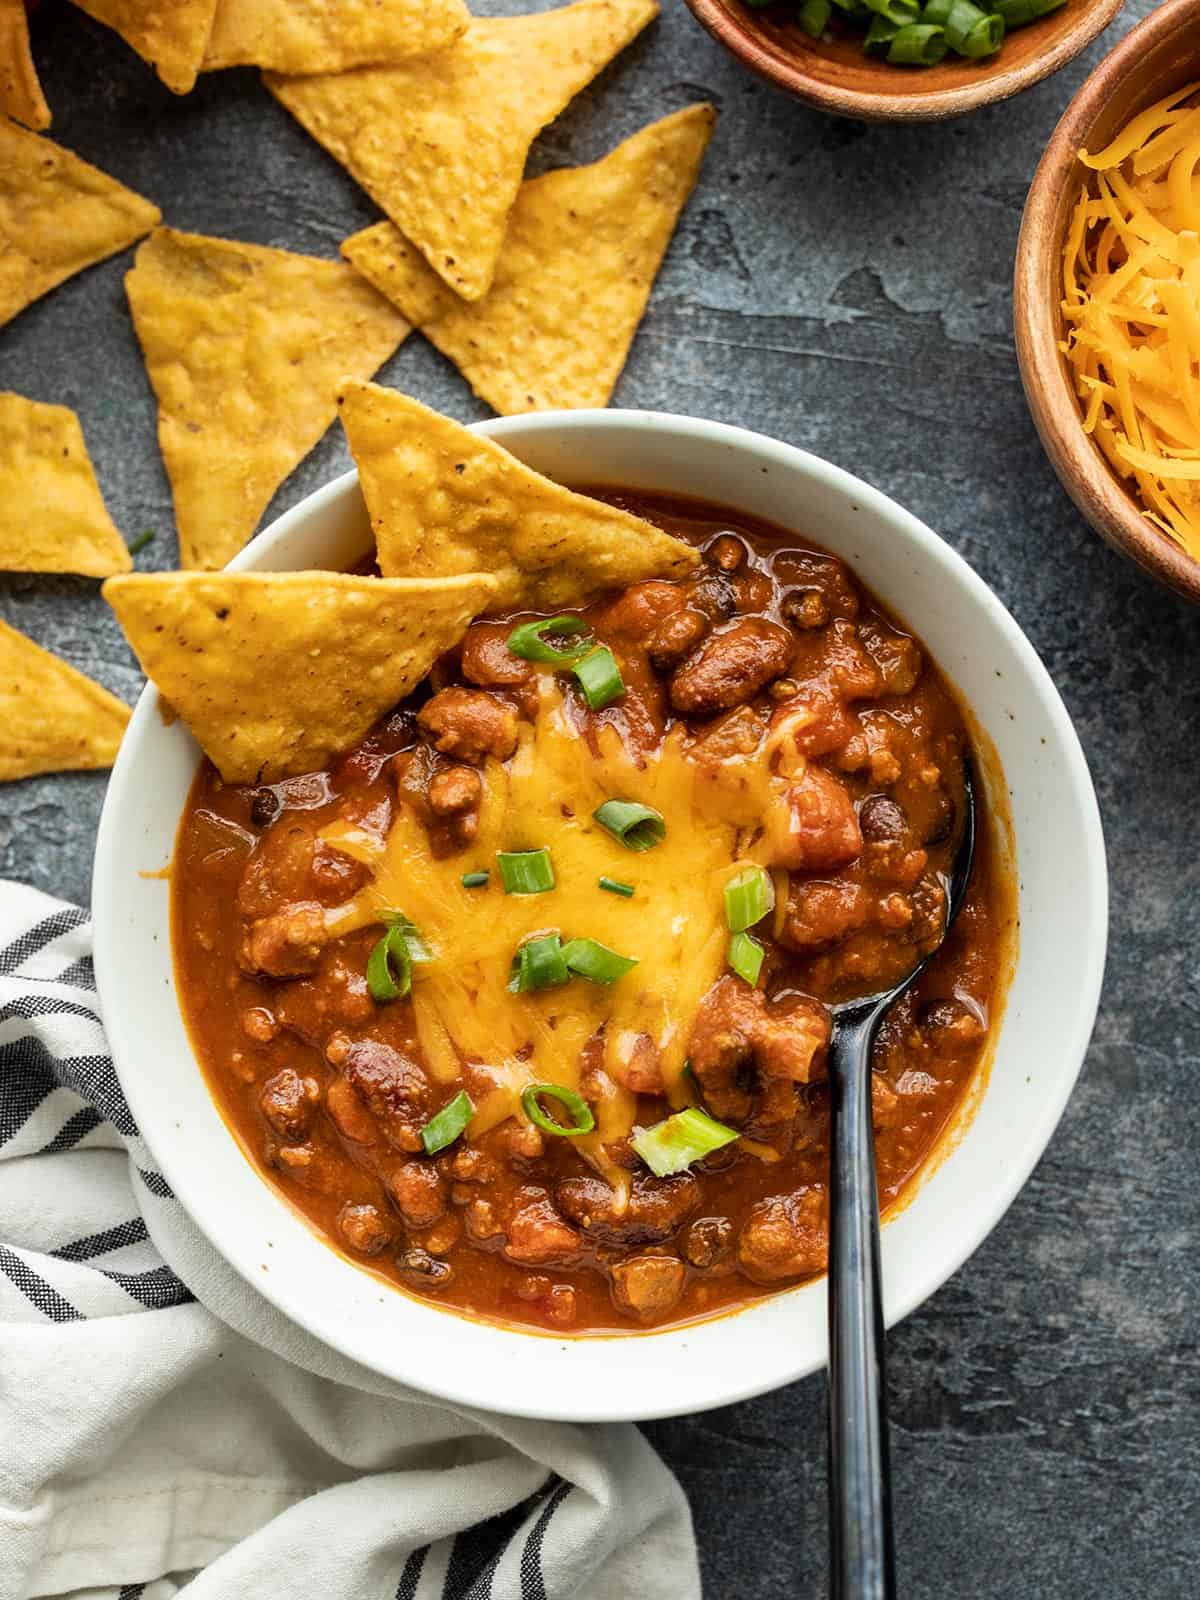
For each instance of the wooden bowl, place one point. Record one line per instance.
(838, 77)
(1160, 55)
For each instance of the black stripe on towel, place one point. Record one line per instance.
(34, 1287)
(45, 932)
(407, 1587)
(100, 1244)
(533, 1581)
(73, 1130)
(132, 1591)
(476, 1554)
(157, 1288)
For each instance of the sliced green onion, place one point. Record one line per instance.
(389, 967)
(418, 950)
(530, 641)
(1016, 13)
(918, 44)
(749, 895)
(638, 827)
(813, 17)
(672, 1146)
(745, 957)
(475, 880)
(142, 540)
(526, 871)
(578, 1108)
(898, 11)
(615, 886)
(538, 964)
(588, 958)
(449, 1122)
(879, 36)
(971, 32)
(599, 678)
(936, 11)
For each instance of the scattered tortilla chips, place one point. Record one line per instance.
(445, 500)
(20, 92)
(245, 347)
(52, 515)
(308, 36)
(440, 144)
(57, 216)
(52, 718)
(171, 35)
(275, 672)
(581, 253)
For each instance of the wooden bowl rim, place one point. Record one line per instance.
(1080, 464)
(1080, 27)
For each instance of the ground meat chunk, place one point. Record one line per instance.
(455, 794)
(640, 1069)
(365, 1229)
(469, 724)
(391, 1086)
(822, 913)
(487, 660)
(648, 1286)
(537, 1235)
(634, 615)
(851, 670)
(348, 1114)
(730, 667)
(812, 723)
(806, 609)
(288, 1102)
(418, 1191)
(885, 1102)
(259, 1024)
(287, 944)
(555, 1301)
(739, 1044)
(950, 1026)
(822, 831)
(676, 637)
(786, 1236)
(707, 1243)
(897, 657)
(657, 1206)
(738, 733)
(290, 864)
(726, 552)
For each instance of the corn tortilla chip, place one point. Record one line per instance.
(52, 515)
(310, 36)
(245, 347)
(275, 672)
(581, 253)
(444, 500)
(57, 216)
(20, 92)
(171, 35)
(441, 144)
(52, 718)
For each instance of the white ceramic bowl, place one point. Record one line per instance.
(1051, 1007)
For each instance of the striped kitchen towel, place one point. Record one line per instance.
(162, 1428)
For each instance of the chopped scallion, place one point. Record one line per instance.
(580, 1111)
(443, 1128)
(418, 950)
(638, 827)
(615, 886)
(599, 678)
(918, 44)
(389, 967)
(539, 964)
(531, 641)
(588, 958)
(745, 957)
(749, 895)
(672, 1146)
(142, 540)
(526, 871)
(475, 880)
(897, 11)
(813, 17)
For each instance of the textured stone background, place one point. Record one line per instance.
(846, 288)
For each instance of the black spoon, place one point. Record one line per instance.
(861, 1558)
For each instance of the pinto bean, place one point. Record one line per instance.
(730, 667)
(708, 1243)
(487, 660)
(739, 1044)
(657, 1206)
(423, 1271)
(881, 820)
(469, 724)
(823, 831)
(418, 1191)
(288, 1102)
(676, 637)
(391, 1086)
(365, 1229)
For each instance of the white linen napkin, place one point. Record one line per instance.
(162, 1427)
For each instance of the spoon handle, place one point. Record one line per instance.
(860, 1501)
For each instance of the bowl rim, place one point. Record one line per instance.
(1080, 464)
(462, 1386)
(919, 105)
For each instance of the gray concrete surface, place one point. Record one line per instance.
(847, 288)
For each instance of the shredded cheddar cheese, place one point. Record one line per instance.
(1131, 278)
(674, 924)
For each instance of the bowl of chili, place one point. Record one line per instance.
(1046, 829)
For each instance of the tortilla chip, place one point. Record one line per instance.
(309, 36)
(57, 216)
(52, 515)
(440, 144)
(52, 718)
(275, 672)
(20, 92)
(580, 256)
(169, 34)
(245, 347)
(444, 500)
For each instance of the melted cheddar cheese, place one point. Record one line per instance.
(1131, 277)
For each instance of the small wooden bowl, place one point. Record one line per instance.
(1160, 55)
(839, 78)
